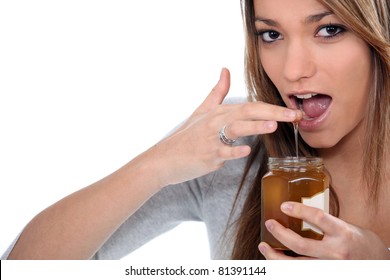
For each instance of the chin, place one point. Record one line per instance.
(318, 142)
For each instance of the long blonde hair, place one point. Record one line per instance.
(369, 20)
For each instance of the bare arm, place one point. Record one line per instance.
(78, 225)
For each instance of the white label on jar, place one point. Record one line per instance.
(321, 201)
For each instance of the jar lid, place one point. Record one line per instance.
(294, 162)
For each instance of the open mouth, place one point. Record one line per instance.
(313, 105)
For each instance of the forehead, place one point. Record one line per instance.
(287, 8)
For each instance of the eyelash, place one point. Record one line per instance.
(340, 30)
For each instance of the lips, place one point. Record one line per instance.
(314, 105)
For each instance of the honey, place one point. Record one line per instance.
(300, 179)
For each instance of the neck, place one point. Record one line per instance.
(345, 165)
(344, 161)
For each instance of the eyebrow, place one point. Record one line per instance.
(309, 20)
(317, 17)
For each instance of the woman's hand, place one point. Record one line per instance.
(341, 240)
(195, 149)
(78, 225)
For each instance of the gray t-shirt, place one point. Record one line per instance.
(208, 199)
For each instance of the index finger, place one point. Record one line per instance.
(265, 111)
(218, 93)
(312, 215)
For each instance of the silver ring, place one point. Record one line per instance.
(224, 139)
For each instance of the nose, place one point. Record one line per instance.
(299, 61)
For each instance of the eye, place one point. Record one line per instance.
(330, 31)
(270, 36)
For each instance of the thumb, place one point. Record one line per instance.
(218, 93)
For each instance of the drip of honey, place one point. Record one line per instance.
(296, 139)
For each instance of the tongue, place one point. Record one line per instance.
(316, 106)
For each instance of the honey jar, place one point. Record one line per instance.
(300, 179)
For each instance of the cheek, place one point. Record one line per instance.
(353, 59)
(273, 67)
(353, 70)
(350, 73)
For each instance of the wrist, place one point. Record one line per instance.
(151, 169)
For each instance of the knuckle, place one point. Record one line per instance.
(342, 253)
(219, 110)
(301, 246)
(214, 89)
(232, 130)
(212, 124)
(219, 165)
(348, 236)
(247, 110)
(262, 126)
(319, 217)
(221, 153)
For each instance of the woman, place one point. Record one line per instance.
(338, 50)
(333, 54)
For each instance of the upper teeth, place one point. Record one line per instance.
(306, 96)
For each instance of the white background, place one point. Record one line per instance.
(87, 85)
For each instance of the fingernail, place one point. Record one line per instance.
(299, 116)
(221, 73)
(262, 249)
(269, 225)
(290, 114)
(270, 125)
(286, 207)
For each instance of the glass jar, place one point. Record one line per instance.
(300, 179)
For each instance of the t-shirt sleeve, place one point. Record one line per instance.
(165, 210)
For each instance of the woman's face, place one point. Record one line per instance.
(317, 65)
